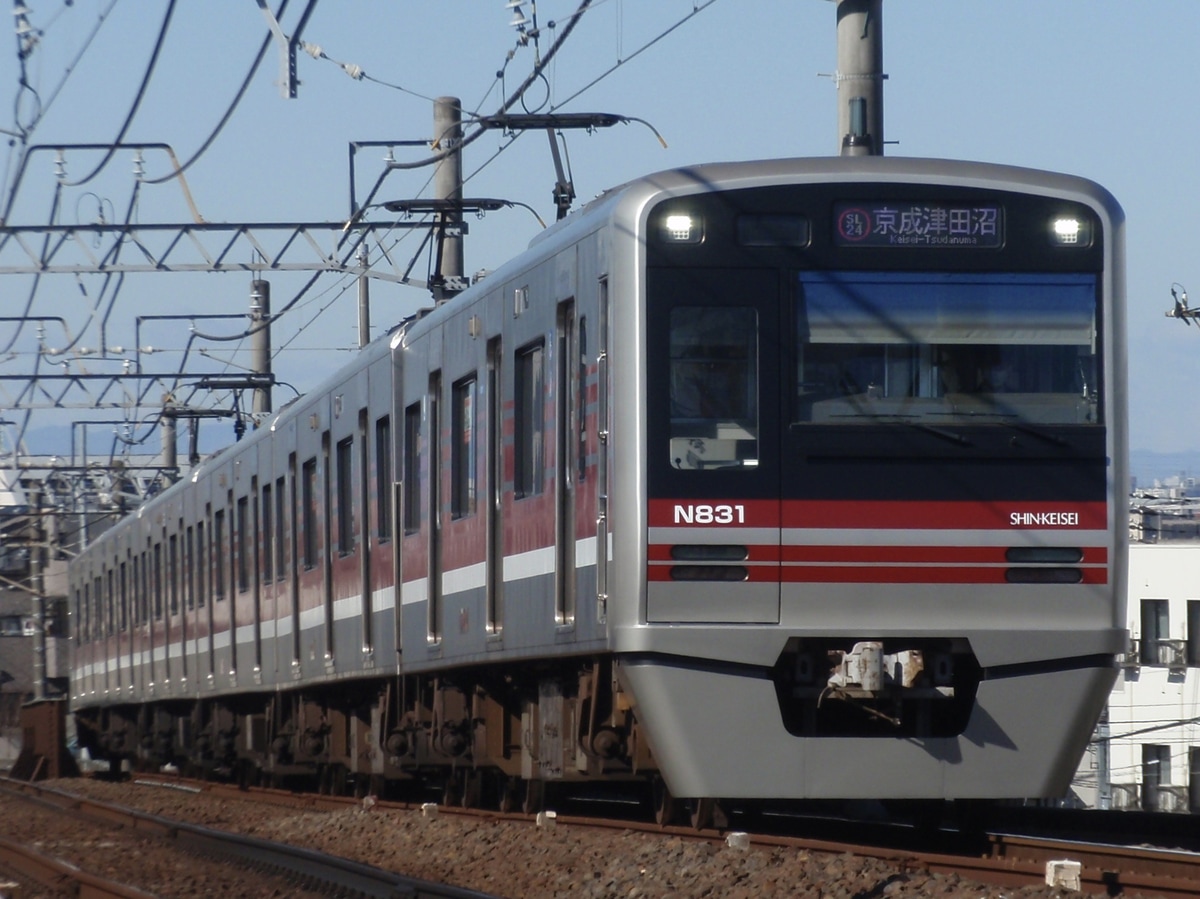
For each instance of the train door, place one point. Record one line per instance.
(434, 448)
(566, 451)
(713, 403)
(494, 478)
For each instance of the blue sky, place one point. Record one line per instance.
(1101, 88)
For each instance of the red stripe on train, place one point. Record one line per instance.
(873, 514)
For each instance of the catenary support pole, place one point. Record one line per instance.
(260, 341)
(860, 77)
(364, 300)
(447, 185)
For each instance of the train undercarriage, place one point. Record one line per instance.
(478, 738)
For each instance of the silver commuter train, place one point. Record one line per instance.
(781, 479)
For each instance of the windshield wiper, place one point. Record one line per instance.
(941, 432)
(1040, 434)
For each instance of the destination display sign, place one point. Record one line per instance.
(889, 224)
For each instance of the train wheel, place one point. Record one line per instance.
(472, 791)
(378, 785)
(535, 797)
(666, 806)
(339, 780)
(452, 789)
(507, 789)
(704, 813)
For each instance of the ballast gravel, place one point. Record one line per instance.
(516, 860)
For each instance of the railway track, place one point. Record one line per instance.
(1004, 860)
(316, 872)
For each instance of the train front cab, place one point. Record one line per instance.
(884, 557)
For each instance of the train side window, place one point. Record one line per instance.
(463, 448)
(412, 469)
(345, 496)
(218, 553)
(97, 622)
(110, 599)
(529, 436)
(308, 506)
(714, 387)
(383, 478)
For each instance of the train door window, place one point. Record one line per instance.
(202, 569)
(218, 553)
(530, 398)
(412, 469)
(383, 478)
(137, 593)
(136, 615)
(241, 539)
(173, 572)
(463, 448)
(1193, 632)
(495, 489)
(81, 622)
(345, 496)
(123, 587)
(158, 582)
(1156, 774)
(1156, 628)
(268, 535)
(308, 508)
(146, 585)
(280, 529)
(189, 565)
(714, 387)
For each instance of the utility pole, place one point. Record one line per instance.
(260, 342)
(860, 77)
(447, 186)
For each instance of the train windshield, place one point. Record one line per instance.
(945, 348)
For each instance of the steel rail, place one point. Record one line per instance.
(319, 872)
(57, 875)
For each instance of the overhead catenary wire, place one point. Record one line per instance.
(233, 105)
(137, 102)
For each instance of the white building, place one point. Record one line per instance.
(1146, 755)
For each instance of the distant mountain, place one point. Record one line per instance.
(1148, 466)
